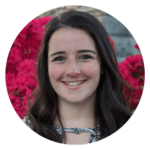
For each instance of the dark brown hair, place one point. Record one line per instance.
(110, 107)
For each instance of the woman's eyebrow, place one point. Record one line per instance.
(57, 53)
(79, 51)
(85, 51)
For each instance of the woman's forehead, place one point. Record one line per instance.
(70, 39)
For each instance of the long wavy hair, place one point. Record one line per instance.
(111, 109)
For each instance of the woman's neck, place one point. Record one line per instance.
(76, 115)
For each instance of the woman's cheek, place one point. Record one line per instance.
(55, 72)
(91, 69)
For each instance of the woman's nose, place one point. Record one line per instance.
(73, 69)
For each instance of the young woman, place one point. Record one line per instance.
(79, 98)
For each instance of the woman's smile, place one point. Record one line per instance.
(74, 85)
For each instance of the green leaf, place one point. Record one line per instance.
(133, 111)
(142, 87)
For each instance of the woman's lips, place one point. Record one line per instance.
(73, 85)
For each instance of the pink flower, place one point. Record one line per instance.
(44, 20)
(132, 71)
(134, 103)
(136, 46)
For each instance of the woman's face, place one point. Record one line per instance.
(73, 65)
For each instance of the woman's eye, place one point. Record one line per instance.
(85, 57)
(59, 59)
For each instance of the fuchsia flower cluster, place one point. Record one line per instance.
(132, 71)
(21, 67)
(21, 64)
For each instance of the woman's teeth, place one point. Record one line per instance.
(73, 83)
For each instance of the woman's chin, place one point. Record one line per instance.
(74, 100)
